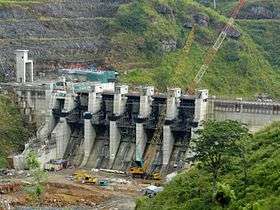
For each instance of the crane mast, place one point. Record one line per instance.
(210, 55)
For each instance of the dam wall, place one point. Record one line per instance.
(97, 125)
(255, 114)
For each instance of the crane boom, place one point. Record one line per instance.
(156, 139)
(179, 68)
(210, 55)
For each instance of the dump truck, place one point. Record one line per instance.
(56, 165)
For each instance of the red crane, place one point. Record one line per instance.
(210, 55)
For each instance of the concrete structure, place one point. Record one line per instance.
(146, 99)
(69, 102)
(94, 106)
(256, 115)
(116, 127)
(201, 103)
(24, 67)
(90, 136)
(102, 125)
(61, 135)
(95, 98)
(119, 104)
(173, 103)
(120, 99)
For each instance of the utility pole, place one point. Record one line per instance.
(214, 3)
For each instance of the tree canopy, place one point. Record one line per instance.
(216, 143)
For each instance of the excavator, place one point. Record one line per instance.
(84, 177)
(143, 168)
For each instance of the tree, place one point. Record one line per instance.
(32, 160)
(216, 143)
(38, 175)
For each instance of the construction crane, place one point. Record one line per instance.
(179, 68)
(144, 169)
(210, 55)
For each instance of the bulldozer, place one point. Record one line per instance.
(84, 177)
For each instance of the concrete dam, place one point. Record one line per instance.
(99, 124)
(105, 126)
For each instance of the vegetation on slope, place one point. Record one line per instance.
(249, 182)
(265, 33)
(149, 40)
(12, 132)
(260, 19)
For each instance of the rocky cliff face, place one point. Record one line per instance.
(260, 10)
(57, 32)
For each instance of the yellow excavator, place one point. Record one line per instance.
(84, 177)
(143, 169)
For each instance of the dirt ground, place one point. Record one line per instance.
(62, 191)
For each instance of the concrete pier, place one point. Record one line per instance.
(90, 136)
(115, 138)
(94, 106)
(61, 134)
(120, 99)
(119, 105)
(201, 103)
(167, 144)
(24, 67)
(69, 102)
(141, 141)
(144, 112)
(95, 99)
(173, 102)
(146, 101)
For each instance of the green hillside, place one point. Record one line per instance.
(12, 131)
(148, 40)
(261, 191)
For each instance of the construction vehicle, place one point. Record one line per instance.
(56, 165)
(210, 55)
(84, 177)
(103, 182)
(142, 169)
